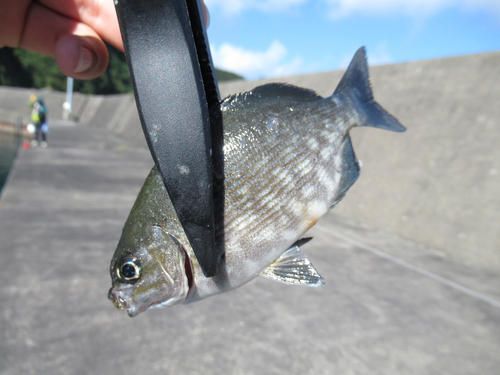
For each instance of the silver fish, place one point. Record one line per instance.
(287, 159)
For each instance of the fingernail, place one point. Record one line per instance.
(86, 60)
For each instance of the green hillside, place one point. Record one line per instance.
(21, 68)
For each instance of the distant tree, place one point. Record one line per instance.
(115, 80)
(223, 75)
(12, 72)
(43, 69)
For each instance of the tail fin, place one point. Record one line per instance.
(355, 84)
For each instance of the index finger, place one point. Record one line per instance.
(100, 15)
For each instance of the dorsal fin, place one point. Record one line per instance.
(283, 91)
(272, 93)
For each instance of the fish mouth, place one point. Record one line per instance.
(121, 299)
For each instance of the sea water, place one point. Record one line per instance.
(9, 144)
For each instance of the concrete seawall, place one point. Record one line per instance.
(117, 113)
(436, 184)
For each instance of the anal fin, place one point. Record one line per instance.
(294, 268)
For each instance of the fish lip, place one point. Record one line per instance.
(121, 298)
(134, 311)
(122, 301)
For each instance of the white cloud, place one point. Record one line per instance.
(255, 64)
(380, 55)
(416, 8)
(344, 8)
(237, 6)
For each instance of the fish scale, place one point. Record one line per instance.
(265, 171)
(271, 169)
(287, 159)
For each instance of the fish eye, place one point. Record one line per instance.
(129, 269)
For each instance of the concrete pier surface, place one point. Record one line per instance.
(389, 306)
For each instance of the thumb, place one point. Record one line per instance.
(81, 57)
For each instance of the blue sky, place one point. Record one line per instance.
(271, 38)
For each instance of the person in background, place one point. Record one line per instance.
(39, 117)
(71, 31)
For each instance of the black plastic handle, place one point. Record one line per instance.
(170, 92)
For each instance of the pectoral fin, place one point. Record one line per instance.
(294, 268)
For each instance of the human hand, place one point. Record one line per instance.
(72, 31)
